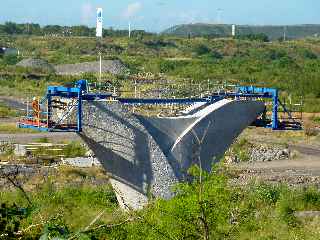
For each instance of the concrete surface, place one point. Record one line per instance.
(82, 162)
(147, 156)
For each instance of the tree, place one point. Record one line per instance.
(52, 29)
(81, 31)
(254, 37)
(31, 29)
(202, 49)
(11, 28)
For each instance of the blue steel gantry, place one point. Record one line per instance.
(56, 97)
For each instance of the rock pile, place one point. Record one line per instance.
(36, 63)
(264, 153)
(108, 66)
(82, 162)
(259, 153)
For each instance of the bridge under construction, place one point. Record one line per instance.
(147, 155)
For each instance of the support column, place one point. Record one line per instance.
(275, 124)
(79, 120)
(49, 109)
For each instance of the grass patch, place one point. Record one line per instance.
(74, 149)
(6, 112)
(6, 151)
(70, 208)
(316, 120)
(69, 150)
(69, 198)
(240, 150)
(11, 128)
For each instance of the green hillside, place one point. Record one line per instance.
(224, 30)
(180, 65)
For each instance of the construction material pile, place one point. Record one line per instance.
(36, 63)
(108, 66)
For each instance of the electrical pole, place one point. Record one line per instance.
(100, 69)
(99, 35)
(285, 33)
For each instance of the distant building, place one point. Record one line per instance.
(233, 30)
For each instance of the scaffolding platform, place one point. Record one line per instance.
(61, 108)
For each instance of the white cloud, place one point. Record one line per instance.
(132, 9)
(87, 13)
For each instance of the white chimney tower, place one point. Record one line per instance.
(233, 30)
(99, 23)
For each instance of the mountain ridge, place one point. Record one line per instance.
(225, 30)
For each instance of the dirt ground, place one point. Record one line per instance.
(302, 169)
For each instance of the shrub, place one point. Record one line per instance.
(91, 77)
(217, 55)
(276, 54)
(10, 218)
(241, 150)
(74, 149)
(201, 49)
(11, 59)
(254, 37)
(316, 120)
(169, 66)
(311, 197)
(286, 213)
(309, 130)
(266, 193)
(308, 54)
(156, 44)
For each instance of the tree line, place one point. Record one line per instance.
(11, 28)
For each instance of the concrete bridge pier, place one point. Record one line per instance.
(147, 156)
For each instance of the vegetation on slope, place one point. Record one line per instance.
(225, 30)
(34, 29)
(186, 65)
(6, 111)
(206, 209)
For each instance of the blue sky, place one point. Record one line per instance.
(156, 15)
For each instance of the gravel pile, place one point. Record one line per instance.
(261, 153)
(264, 153)
(36, 63)
(108, 66)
